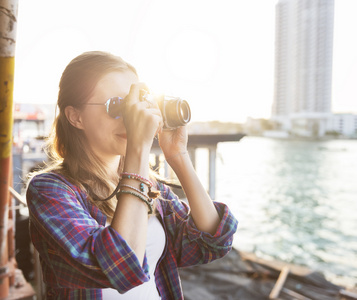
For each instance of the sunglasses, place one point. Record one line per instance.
(114, 107)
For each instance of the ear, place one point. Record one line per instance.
(74, 117)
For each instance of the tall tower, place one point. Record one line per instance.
(303, 65)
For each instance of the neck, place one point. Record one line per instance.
(112, 165)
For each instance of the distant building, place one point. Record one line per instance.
(303, 66)
(343, 124)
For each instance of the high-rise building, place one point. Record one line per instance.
(303, 65)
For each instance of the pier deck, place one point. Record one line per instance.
(207, 141)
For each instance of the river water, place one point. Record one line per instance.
(295, 201)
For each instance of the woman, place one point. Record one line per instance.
(103, 227)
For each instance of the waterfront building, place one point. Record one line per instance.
(343, 124)
(303, 66)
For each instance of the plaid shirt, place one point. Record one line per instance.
(80, 255)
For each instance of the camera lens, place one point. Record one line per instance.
(177, 113)
(185, 112)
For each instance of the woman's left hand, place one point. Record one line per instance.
(174, 145)
(173, 142)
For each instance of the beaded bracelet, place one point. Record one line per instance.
(148, 201)
(136, 177)
(150, 194)
(141, 192)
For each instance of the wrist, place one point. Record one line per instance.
(138, 148)
(179, 160)
(176, 156)
(137, 160)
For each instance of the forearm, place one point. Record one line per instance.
(203, 211)
(131, 215)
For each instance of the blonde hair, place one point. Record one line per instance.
(67, 146)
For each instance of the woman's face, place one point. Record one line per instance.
(107, 136)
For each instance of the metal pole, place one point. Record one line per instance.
(8, 24)
(212, 171)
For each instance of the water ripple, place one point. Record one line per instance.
(295, 200)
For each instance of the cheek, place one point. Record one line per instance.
(94, 128)
(93, 117)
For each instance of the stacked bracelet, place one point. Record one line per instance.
(143, 181)
(137, 177)
(149, 202)
(141, 192)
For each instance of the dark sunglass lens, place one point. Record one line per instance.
(115, 107)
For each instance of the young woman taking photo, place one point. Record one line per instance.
(103, 226)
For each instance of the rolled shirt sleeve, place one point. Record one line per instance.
(78, 252)
(193, 246)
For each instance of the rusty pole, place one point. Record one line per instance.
(8, 24)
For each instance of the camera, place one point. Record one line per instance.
(175, 111)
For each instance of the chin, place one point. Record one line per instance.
(120, 150)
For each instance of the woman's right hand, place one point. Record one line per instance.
(142, 120)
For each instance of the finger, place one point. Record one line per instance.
(156, 115)
(147, 107)
(154, 111)
(154, 105)
(158, 131)
(134, 93)
(161, 128)
(144, 95)
(154, 121)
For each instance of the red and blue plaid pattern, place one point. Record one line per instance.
(80, 255)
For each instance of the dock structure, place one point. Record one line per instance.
(23, 163)
(244, 275)
(207, 141)
(8, 267)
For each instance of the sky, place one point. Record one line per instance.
(218, 55)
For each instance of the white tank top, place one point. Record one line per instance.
(155, 245)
